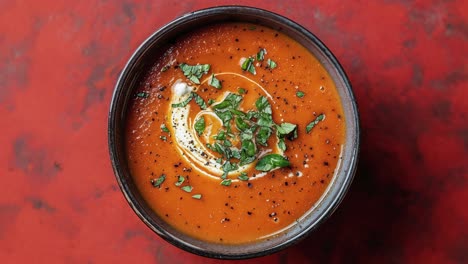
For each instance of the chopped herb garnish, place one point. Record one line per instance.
(194, 72)
(142, 95)
(243, 176)
(285, 129)
(271, 64)
(165, 68)
(163, 138)
(199, 100)
(197, 196)
(226, 182)
(185, 102)
(187, 188)
(248, 65)
(211, 101)
(180, 180)
(312, 124)
(157, 182)
(261, 54)
(215, 82)
(300, 94)
(164, 128)
(281, 144)
(241, 91)
(200, 125)
(271, 161)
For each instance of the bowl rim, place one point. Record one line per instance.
(114, 137)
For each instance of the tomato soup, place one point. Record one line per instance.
(235, 133)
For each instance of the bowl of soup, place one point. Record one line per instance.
(233, 132)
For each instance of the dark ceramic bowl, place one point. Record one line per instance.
(143, 59)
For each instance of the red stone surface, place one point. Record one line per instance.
(407, 61)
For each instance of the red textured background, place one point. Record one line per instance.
(407, 61)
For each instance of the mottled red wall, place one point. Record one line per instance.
(407, 61)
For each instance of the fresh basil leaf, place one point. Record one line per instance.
(271, 64)
(312, 124)
(157, 182)
(197, 196)
(220, 136)
(243, 176)
(215, 82)
(263, 105)
(180, 180)
(164, 128)
(261, 54)
(248, 65)
(285, 128)
(187, 188)
(263, 135)
(241, 124)
(185, 102)
(228, 166)
(200, 125)
(194, 72)
(226, 182)
(199, 100)
(271, 161)
(246, 135)
(249, 148)
(281, 144)
(142, 95)
(265, 120)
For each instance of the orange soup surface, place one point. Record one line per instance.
(235, 133)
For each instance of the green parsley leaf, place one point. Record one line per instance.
(200, 125)
(300, 94)
(263, 105)
(194, 72)
(226, 182)
(285, 129)
(271, 64)
(271, 161)
(187, 188)
(249, 148)
(164, 128)
(180, 180)
(261, 54)
(211, 101)
(199, 100)
(243, 176)
(215, 82)
(197, 196)
(241, 124)
(142, 95)
(263, 135)
(157, 182)
(312, 124)
(248, 65)
(220, 136)
(185, 102)
(281, 144)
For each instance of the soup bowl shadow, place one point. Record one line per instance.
(139, 64)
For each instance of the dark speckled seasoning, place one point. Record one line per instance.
(405, 59)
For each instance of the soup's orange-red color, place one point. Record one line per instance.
(249, 210)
